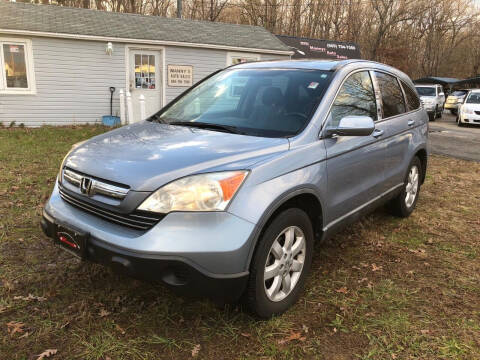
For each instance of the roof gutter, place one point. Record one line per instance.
(142, 41)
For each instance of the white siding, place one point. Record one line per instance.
(73, 79)
(204, 62)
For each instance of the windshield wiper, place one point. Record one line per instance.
(203, 125)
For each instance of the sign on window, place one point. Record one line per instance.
(15, 66)
(180, 75)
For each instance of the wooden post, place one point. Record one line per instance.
(130, 108)
(123, 121)
(141, 99)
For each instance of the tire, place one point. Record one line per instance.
(459, 123)
(431, 116)
(402, 206)
(263, 297)
(440, 114)
(453, 112)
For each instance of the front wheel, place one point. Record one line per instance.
(404, 204)
(440, 113)
(281, 263)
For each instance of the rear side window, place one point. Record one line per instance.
(392, 97)
(356, 97)
(413, 102)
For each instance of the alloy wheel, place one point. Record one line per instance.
(284, 263)
(412, 186)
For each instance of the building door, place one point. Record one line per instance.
(145, 79)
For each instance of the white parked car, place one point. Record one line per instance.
(470, 109)
(433, 99)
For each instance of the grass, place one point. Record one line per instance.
(385, 288)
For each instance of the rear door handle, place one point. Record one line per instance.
(411, 122)
(377, 133)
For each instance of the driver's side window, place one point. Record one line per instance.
(356, 97)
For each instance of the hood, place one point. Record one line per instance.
(147, 155)
(471, 106)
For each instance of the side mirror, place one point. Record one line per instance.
(352, 126)
(441, 94)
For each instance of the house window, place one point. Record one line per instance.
(238, 58)
(17, 69)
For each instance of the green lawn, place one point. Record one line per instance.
(383, 289)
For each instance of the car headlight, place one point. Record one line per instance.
(204, 192)
(74, 146)
(467, 110)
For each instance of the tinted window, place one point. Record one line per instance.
(459, 93)
(356, 97)
(425, 91)
(413, 102)
(392, 97)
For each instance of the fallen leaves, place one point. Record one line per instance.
(103, 313)
(293, 336)
(15, 327)
(342, 290)
(196, 350)
(30, 297)
(120, 329)
(46, 354)
(376, 268)
(418, 252)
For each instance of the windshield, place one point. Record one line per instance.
(459, 93)
(259, 102)
(474, 98)
(425, 91)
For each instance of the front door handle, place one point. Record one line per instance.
(377, 133)
(411, 122)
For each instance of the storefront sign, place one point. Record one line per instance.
(180, 75)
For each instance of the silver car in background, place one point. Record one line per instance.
(224, 191)
(433, 99)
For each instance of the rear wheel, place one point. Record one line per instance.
(404, 204)
(280, 264)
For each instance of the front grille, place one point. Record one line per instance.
(477, 112)
(137, 219)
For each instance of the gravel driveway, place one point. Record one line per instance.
(446, 138)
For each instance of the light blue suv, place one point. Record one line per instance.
(224, 191)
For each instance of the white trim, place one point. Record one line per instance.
(249, 55)
(128, 49)
(142, 41)
(32, 87)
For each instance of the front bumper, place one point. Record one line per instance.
(469, 118)
(198, 253)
